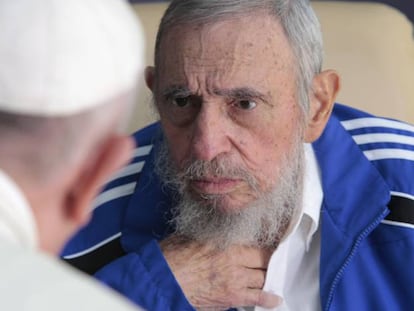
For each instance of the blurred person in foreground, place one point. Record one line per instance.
(255, 190)
(68, 74)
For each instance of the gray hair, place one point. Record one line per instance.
(297, 18)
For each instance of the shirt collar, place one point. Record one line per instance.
(312, 195)
(17, 224)
(312, 191)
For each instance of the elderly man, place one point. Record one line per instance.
(68, 73)
(254, 189)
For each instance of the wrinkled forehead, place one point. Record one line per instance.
(243, 41)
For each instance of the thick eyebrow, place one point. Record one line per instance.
(243, 93)
(176, 91)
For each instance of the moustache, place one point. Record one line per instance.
(216, 168)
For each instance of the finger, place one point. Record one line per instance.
(260, 298)
(254, 278)
(251, 257)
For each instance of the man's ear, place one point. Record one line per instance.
(95, 172)
(150, 77)
(325, 87)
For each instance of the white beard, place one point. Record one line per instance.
(262, 222)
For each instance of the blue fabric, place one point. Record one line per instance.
(365, 262)
(145, 278)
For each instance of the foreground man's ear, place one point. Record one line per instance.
(150, 77)
(93, 175)
(325, 87)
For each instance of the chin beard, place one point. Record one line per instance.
(262, 222)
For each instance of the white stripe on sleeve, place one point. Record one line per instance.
(376, 122)
(96, 246)
(142, 151)
(114, 193)
(397, 223)
(128, 170)
(402, 194)
(381, 154)
(383, 138)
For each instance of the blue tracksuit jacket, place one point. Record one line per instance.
(367, 221)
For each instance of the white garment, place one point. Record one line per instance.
(32, 281)
(17, 224)
(293, 270)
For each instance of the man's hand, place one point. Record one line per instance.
(214, 279)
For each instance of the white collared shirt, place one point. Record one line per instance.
(17, 224)
(293, 270)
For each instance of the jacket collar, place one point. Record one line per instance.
(355, 198)
(354, 191)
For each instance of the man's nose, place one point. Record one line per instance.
(211, 132)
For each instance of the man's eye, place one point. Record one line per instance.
(181, 101)
(246, 104)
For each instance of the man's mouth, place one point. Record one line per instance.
(214, 185)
